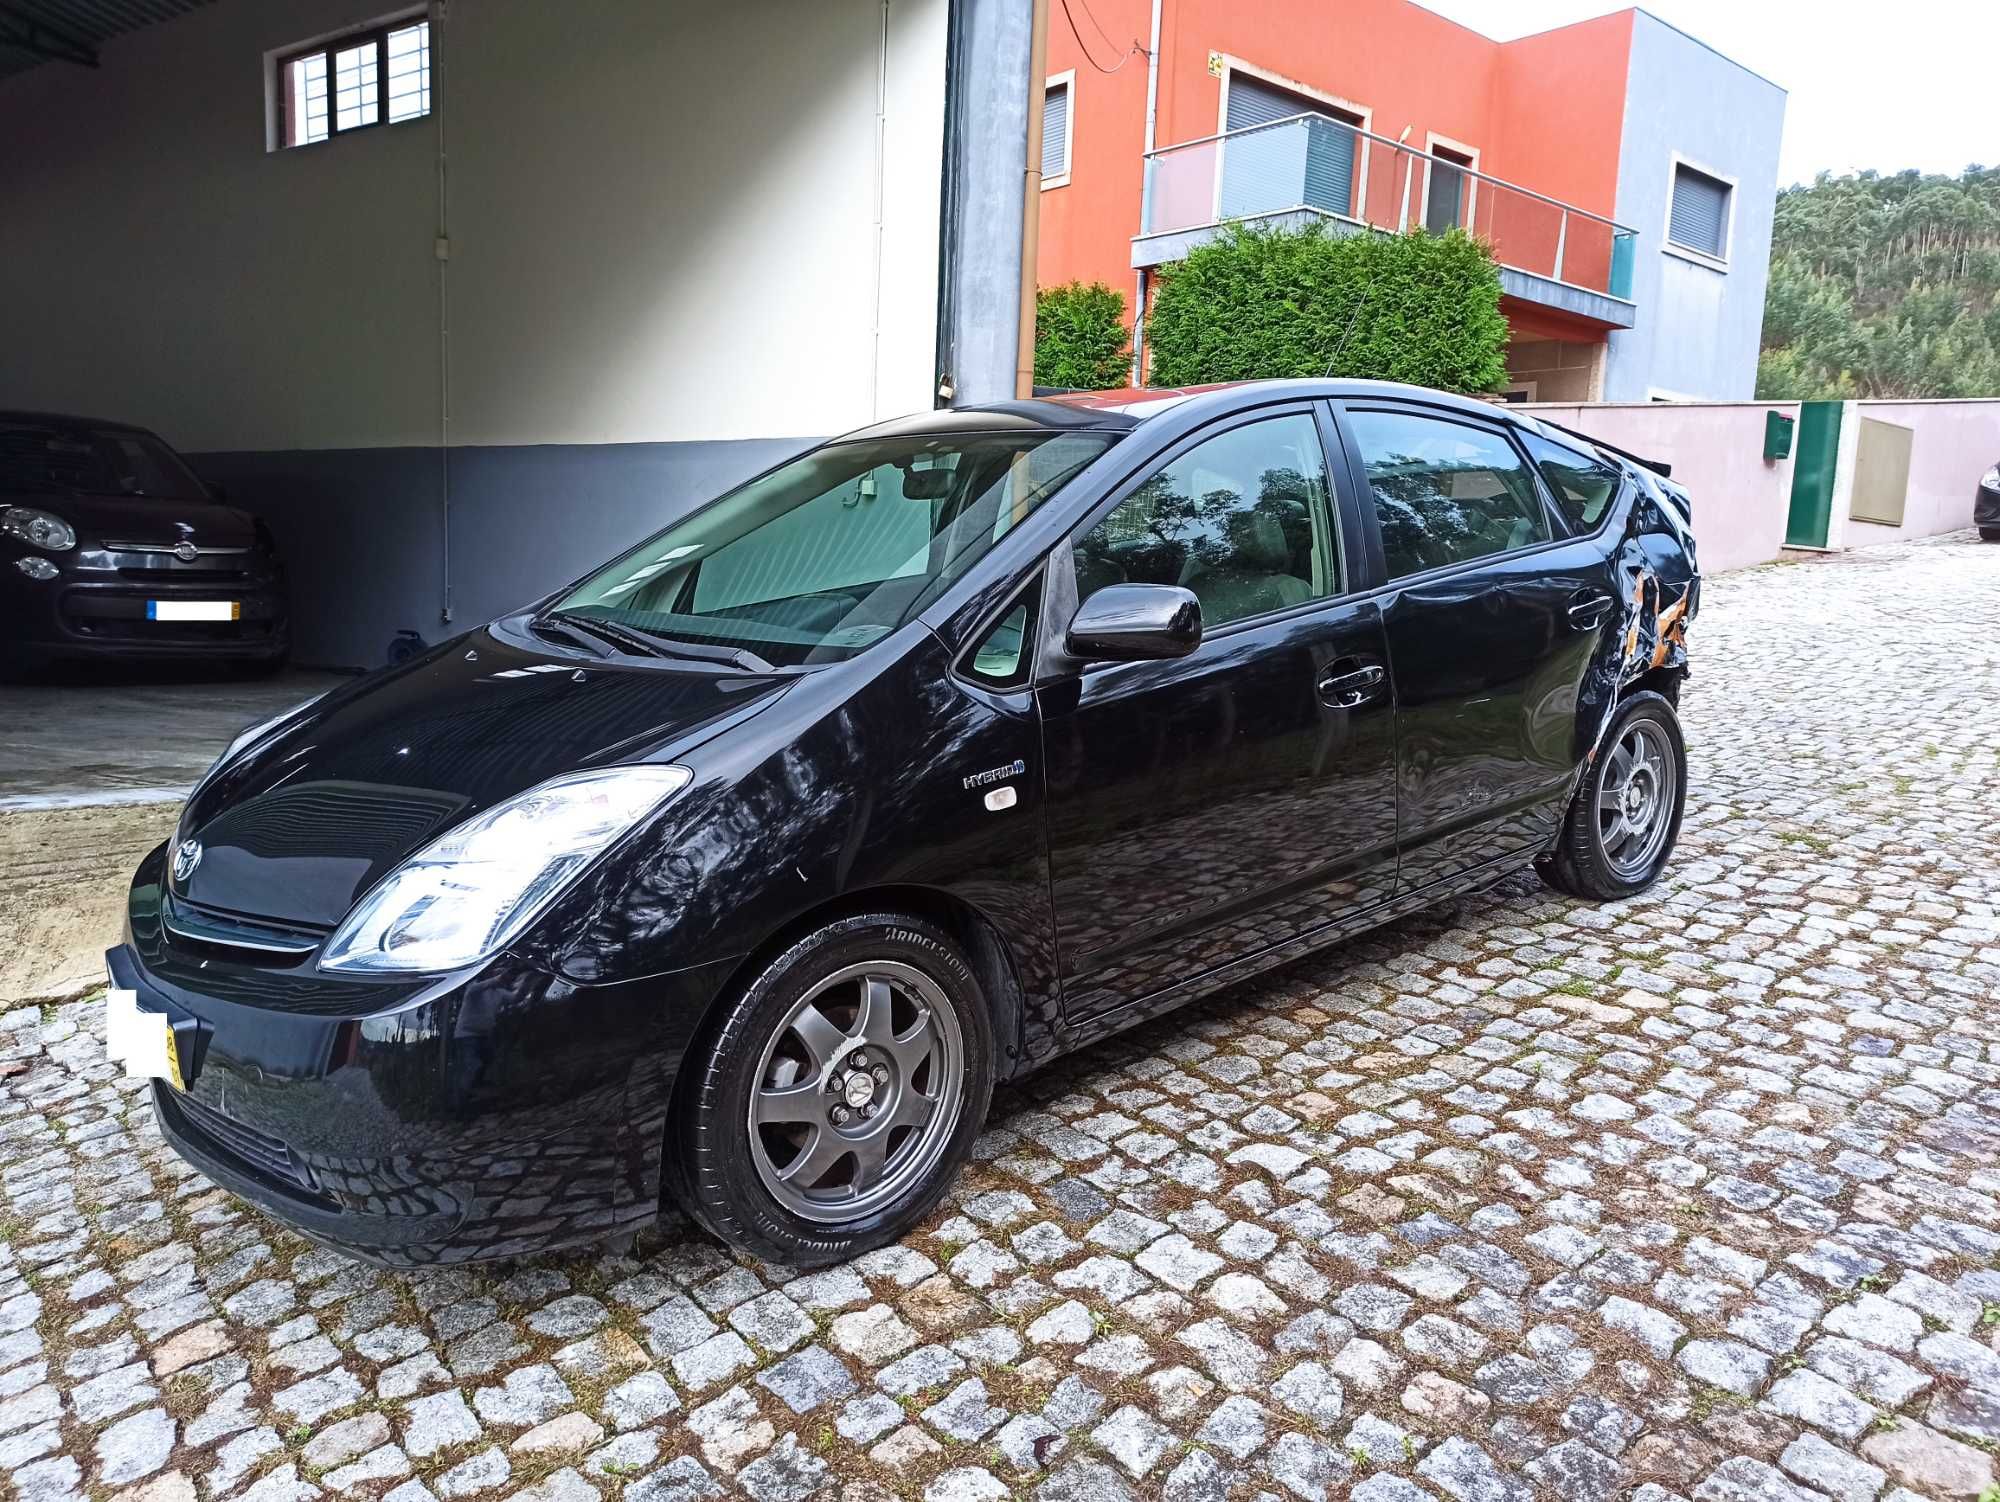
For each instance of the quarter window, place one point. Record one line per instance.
(1002, 657)
(1583, 486)
(1445, 492)
(1242, 520)
(354, 81)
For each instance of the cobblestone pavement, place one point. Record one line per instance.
(1693, 1196)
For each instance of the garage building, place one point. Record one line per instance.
(462, 298)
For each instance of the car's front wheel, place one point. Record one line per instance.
(840, 1091)
(1989, 534)
(1626, 816)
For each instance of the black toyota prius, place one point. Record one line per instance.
(743, 869)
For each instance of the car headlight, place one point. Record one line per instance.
(38, 528)
(1991, 479)
(472, 890)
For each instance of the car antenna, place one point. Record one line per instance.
(1352, 319)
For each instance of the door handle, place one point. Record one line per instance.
(1346, 686)
(1586, 609)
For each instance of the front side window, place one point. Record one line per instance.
(365, 78)
(1241, 519)
(74, 458)
(1444, 491)
(826, 555)
(1584, 487)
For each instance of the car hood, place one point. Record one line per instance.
(298, 827)
(153, 521)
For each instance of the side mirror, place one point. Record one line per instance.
(1135, 623)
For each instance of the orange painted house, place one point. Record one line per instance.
(1623, 172)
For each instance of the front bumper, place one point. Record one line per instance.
(492, 1113)
(96, 608)
(1986, 507)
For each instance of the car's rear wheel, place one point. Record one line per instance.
(840, 1092)
(1626, 816)
(1989, 534)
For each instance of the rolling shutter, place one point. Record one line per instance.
(1310, 164)
(1055, 131)
(1700, 216)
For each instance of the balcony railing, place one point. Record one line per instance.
(1310, 164)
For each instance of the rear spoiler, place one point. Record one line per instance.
(1659, 467)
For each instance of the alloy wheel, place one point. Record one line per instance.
(1635, 801)
(858, 1091)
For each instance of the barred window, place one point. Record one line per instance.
(364, 78)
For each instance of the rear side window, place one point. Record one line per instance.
(1583, 487)
(1445, 492)
(1241, 519)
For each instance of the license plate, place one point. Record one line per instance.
(194, 610)
(142, 1041)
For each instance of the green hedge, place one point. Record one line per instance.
(1262, 303)
(1080, 337)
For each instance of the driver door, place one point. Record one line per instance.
(1207, 808)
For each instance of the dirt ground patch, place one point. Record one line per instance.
(63, 878)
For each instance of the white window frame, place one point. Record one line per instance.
(1671, 246)
(1432, 140)
(274, 74)
(1234, 64)
(1065, 80)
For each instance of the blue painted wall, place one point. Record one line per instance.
(1698, 327)
(363, 531)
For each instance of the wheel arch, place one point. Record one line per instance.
(977, 936)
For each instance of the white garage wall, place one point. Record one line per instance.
(685, 238)
(663, 223)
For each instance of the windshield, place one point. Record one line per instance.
(828, 554)
(73, 457)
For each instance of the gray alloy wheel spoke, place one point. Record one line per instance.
(824, 1150)
(821, 1038)
(876, 1021)
(789, 1105)
(912, 1047)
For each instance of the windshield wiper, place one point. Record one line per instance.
(741, 657)
(611, 631)
(548, 625)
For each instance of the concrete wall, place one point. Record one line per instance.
(1716, 450)
(1951, 446)
(1741, 499)
(1698, 328)
(696, 234)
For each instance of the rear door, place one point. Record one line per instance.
(1204, 809)
(1492, 611)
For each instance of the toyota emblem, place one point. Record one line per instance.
(187, 855)
(186, 551)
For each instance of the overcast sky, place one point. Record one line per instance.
(1913, 83)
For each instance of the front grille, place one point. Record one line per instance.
(258, 1150)
(192, 573)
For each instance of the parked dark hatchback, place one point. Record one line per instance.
(747, 866)
(1986, 505)
(111, 549)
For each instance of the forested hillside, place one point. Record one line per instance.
(1885, 286)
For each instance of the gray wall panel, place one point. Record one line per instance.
(363, 535)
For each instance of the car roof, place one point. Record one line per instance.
(69, 420)
(1125, 408)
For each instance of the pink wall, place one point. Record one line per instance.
(1717, 452)
(1953, 444)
